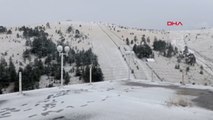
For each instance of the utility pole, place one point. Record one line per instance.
(129, 66)
(90, 76)
(20, 82)
(62, 68)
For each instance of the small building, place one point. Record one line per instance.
(150, 60)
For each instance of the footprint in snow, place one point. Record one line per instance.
(49, 96)
(24, 104)
(32, 115)
(2, 112)
(36, 104)
(6, 113)
(84, 105)
(9, 110)
(28, 109)
(5, 116)
(48, 112)
(109, 89)
(70, 107)
(59, 118)
(45, 113)
(58, 111)
(90, 101)
(105, 98)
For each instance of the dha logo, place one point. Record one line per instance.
(174, 23)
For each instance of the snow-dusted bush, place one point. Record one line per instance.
(3, 29)
(69, 29)
(177, 66)
(143, 51)
(179, 101)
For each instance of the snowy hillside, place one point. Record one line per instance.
(199, 43)
(114, 55)
(153, 91)
(107, 45)
(117, 100)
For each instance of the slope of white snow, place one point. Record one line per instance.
(100, 101)
(127, 53)
(110, 59)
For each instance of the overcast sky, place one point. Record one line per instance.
(142, 13)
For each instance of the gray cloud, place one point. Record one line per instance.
(141, 13)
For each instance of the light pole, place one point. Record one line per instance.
(62, 51)
(20, 82)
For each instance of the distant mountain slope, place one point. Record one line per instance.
(108, 41)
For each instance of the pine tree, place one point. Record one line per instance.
(48, 59)
(4, 76)
(148, 40)
(143, 39)
(134, 48)
(3, 29)
(12, 71)
(159, 45)
(27, 78)
(66, 78)
(135, 38)
(48, 25)
(38, 64)
(9, 32)
(170, 51)
(127, 41)
(26, 55)
(28, 42)
(97, 74)
(69, 29)
(187, 69)
(143, 51)
(78, 72)
(185, 51)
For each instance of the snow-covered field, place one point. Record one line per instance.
(117, 100)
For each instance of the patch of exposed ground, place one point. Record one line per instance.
(204, 97)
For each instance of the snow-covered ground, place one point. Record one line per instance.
(117, 100)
